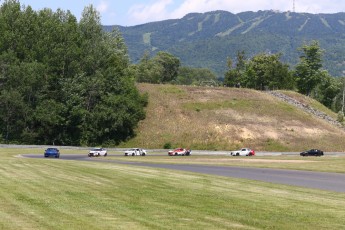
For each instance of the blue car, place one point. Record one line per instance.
(52, 152)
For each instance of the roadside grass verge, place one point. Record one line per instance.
(10, 151)
(320, 164)
(327, 163)
(58, 194)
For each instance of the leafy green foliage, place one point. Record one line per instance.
(71, 86)
(263, 71)
(170, 65)
(314, 81)
(327, 91)
(162, 68)
(167, 145)
(165, 68)
(266, 71)
(207, 39)
(148, 71)
(308, 71)
(195, 76)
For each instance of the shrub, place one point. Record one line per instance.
(340, 117)
(167, 145)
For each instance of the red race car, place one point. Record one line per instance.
(179, 152)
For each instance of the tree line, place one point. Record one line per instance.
(166, 68)
(264, 71)
(62, 81)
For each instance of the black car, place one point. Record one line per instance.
(312, 152)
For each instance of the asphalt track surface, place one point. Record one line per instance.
(334, 182)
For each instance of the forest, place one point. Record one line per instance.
(208, 39)
(64, 82)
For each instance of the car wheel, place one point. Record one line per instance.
(105, 154)
(175, 154)
(133, 154)
(237, 154)
(143, 154)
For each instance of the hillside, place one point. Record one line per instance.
(207, 39)
(230, 118)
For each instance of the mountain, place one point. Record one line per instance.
(207, 39)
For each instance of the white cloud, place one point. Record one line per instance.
(320, 6)
(236, 6)
(149, 12)
(168, 9)
(102, 7)
(233, 6)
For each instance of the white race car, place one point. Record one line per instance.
(243, 152)
(135, 152)
(96, 152)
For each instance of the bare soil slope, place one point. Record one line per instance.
(229, 118)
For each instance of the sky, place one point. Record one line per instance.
(136, 12)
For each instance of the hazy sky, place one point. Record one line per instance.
(134, 12)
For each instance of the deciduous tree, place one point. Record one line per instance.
(64, 82)
(308, 71)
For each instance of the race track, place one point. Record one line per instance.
(316, 180)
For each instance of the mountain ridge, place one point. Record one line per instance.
(208, 39)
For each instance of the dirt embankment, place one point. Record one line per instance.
(218, 118)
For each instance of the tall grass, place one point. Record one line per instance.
(218, 118)
(310, 102)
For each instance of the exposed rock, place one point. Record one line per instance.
(306, 108)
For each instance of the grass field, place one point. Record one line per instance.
(322, 164)
(58, 194)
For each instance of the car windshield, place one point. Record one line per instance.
(51, 149)
(97, 149)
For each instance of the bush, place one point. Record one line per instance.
(167, 145)
(340, 117)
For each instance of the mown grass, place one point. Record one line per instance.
(58, 194)
(321, 164)
(219, 118)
